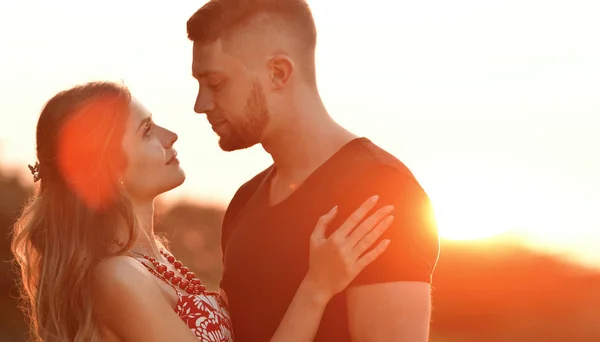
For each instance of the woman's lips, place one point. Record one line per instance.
(173, 159)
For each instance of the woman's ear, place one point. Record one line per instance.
(281, 70)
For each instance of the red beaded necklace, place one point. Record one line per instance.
(188, 282)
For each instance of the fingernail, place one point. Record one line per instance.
(333, 210)
(389, 208)
(387, 242)
(390, 219)
(374, 199)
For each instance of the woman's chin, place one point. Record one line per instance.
(177, 180)
(171, 183)
(181, 180)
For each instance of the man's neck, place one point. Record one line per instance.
(305, 144)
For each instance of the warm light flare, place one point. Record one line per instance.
(89, 151)
(477, 208)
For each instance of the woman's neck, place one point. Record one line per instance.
(144, 242)
(144, 213)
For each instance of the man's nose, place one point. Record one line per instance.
(203, 104)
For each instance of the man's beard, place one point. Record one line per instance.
(249, 132)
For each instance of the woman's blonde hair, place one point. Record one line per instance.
(72, 218)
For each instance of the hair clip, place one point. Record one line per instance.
(35, 171)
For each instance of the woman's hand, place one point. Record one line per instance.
(337, 260)
(334, 263)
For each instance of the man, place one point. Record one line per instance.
(255, 64)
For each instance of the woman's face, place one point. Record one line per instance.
(152, 166)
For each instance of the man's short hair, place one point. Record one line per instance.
(219, 19)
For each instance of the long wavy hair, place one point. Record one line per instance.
(71, 220)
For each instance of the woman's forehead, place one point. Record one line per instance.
(137, 112)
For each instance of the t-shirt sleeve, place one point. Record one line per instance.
(414, 248)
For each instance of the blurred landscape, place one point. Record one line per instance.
(483, 291)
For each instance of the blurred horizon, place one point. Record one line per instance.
(493, 292)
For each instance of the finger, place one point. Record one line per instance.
(367, 225)
(368, 258)
(371, 238)
(357, 216)
(322, 223)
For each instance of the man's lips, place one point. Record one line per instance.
(216, 122)
(217, 125)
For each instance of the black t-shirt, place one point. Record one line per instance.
(266, 247)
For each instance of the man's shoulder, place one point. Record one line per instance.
(369, 161)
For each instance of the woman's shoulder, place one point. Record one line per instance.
(119, 269)
(121, 278)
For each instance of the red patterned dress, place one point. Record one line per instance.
(206, 315)
(204, 312)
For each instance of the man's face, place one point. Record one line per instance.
(230, 95)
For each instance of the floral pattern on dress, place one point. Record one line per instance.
(207, 316)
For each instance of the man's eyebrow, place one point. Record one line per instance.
(143, 122)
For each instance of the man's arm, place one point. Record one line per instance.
(391, 299)
(398, 311)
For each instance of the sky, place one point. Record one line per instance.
(494, 105)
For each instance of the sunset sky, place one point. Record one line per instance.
(494, 105)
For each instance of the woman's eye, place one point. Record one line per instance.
(147, 131)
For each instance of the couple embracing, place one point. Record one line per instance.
(335, 241)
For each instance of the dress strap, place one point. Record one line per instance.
(158, 275)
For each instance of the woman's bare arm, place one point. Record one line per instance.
(130, 304)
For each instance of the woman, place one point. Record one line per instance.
(91, 267)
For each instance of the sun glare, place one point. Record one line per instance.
(457, 224)
(474, 209)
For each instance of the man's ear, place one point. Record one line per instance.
(281, 69)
